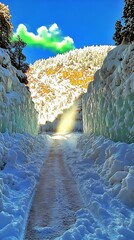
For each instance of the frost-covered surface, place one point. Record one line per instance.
(104, 171)
(55, 83)
(108, 105)
(17, 113)
(21, 158)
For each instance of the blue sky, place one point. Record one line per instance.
(87, 22)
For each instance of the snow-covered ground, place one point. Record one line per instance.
(56, 200)
(21, 158)
(103, 170)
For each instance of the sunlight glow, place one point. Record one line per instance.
(57, 137)
(67, 122)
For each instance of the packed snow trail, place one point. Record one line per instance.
(56, 200)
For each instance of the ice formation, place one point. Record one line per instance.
(108, 104)
(17, 113)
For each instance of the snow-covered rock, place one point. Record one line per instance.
(17, 113)
(108, 105)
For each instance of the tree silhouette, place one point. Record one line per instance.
(124, 33)
(118, 33)
(18, 58)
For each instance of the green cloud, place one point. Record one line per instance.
(48, 38)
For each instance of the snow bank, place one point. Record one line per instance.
(114, 162)
(104, 172)
(17, 113)
(21, 158)
(108, 104)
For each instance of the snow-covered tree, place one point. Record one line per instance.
(5, 26)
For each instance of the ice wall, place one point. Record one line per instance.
(108, 105)
(17, 113)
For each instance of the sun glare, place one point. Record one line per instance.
(67, 121)
(59, 137)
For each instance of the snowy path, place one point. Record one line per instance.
(56, 199)
(102, 169)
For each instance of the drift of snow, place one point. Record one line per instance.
(104, 172)
(21, 158)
